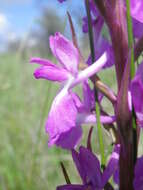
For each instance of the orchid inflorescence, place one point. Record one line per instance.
(124, 20)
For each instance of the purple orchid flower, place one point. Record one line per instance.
(136, 7)
(138, 179)
(137, 94)
(62, 124)
(97, 20)
(137, 28)
(101, 44)
(137, 15)
(137, 10)
(88, 167)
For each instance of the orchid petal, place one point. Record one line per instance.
(51, 73)
(137, 94)
(97, 26)
(110, 56)
(65, 52)
(103, 45)
(112, 165)
(137, 10)
(116, 176)
(137, 28)
(44, 62)
(72, 187)
(70, 138)
(130, 100)
(85, 24)
(88, 96)
(49, 70)
(52, 45)
(77, 100)
(61, 125)
(138, 180)
(77, 161)
(86, 118)
(94, 8)
(91, 166)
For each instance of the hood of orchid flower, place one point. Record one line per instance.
(65, 52)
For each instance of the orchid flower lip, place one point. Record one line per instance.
(60, 124)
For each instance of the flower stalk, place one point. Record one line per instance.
(97, 107)
(130, 38)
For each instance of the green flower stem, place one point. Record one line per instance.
(97, 107)
(130, 37)
(130, 44)
(100, 135)
(65, 173)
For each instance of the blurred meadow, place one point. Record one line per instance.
(26, 162)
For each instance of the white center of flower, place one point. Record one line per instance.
(64, 90)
